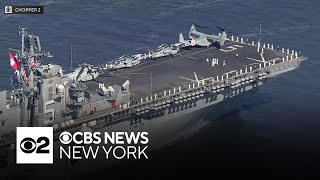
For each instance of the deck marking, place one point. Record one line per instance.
(138, 73)
(207, 54)
(254, 59)
(236, 45)
(229, 49)
(252, 64)
(187, 79)
(191, 57)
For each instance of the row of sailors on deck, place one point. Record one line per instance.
(215, 61)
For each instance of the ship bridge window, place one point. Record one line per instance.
(37, 73)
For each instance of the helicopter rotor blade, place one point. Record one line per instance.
(224, 30)
(221, 29)
(199, 26)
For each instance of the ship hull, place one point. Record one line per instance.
(171, 127)
(180, 121)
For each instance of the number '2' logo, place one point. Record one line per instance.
(29, 145)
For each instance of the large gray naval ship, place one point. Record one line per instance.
(166, 91)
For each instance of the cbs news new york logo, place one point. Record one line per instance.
(34, 145)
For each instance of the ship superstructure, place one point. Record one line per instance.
(45, 96)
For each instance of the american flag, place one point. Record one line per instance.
(34, 64)
(23, 74)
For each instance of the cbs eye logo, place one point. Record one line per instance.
(29, 145)
(65, 137)
(34, 145)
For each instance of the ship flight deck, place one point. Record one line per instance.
(155, 76)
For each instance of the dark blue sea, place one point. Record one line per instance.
(276, 130)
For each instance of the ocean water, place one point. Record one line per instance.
(276, 130)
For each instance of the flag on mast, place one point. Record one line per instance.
(34, 64)
(24, 75)
(14, 62)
